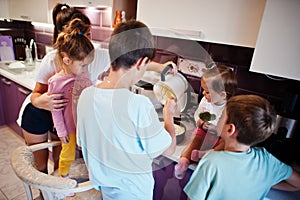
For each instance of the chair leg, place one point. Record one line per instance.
(49, 195)
(28, 191)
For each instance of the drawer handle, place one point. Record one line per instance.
(26, 92)
(5, 81)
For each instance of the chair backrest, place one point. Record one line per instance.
(22, 162)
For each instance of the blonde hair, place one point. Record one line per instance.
(222, 78)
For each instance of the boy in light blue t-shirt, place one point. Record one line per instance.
(241, 171)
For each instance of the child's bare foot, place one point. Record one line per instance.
(181, 167)
(195, 155)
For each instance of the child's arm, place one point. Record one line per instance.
(42, 100)
(290, 184)
(168, 113)
(157, 67)
(200, 123)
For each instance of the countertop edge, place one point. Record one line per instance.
(22, 79)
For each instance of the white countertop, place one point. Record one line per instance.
(188, 121)
(25, 78)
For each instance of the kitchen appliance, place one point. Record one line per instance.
(285, 127)
(145, 87)
(286, 120)
(186, 68)
(173, 86)
(6, 48)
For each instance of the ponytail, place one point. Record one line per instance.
(73, 42)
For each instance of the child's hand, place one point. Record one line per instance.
(64, 139)
(200, 123)
(170, 107)
(174, 69)
(197, 154)
(206, 125)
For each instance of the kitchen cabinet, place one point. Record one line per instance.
(278, 44)
(166, 185)
(31, 10)
(2, 120)
(89, 3)
(3, 9)
(12, 96)
(234, 22)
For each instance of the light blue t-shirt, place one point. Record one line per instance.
(120, 135)
(230, 175)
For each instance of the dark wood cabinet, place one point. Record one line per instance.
(12, 97)
(167, 187)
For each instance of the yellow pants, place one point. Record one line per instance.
(67, 155)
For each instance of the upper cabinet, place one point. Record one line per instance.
(89, 3)
(278, 44)
(41, 10)
(3, 9)
(31, 10)
(234, 22)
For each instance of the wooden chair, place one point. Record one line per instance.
(52, 186)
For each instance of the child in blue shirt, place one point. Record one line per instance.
(241, 171)
(119, 131)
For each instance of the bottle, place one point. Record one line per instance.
(28, 54)
(123, 16)
(118, 18)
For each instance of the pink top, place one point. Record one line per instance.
(71, 87)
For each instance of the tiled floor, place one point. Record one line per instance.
(11, 187)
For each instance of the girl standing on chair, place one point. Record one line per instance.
(74, 53)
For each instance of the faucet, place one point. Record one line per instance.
(33, 44)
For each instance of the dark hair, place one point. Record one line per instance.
(129, 42)
(222, 79)
(62, 14)
(73, 42)
(253, 116)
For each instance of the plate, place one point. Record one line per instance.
(16, 65)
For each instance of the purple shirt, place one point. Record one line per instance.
(71, 87)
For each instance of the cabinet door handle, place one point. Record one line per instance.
(24, 91)
(6, 82)
(24, 17)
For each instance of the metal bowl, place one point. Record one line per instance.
(179, 136)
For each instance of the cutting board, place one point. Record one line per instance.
(6, 48)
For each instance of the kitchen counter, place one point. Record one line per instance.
(26, 79)
(187, 119)
(23, 78)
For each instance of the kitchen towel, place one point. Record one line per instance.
(6, 48)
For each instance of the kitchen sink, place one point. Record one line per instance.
(5, 65)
